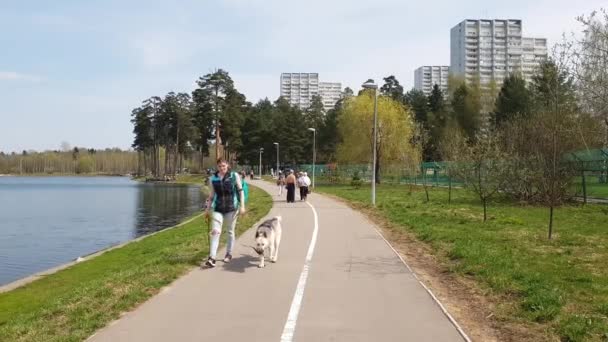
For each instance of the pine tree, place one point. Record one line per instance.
(514, 100)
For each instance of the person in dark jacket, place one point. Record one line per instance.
(290, 182)
(226, 201)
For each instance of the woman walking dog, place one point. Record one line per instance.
(226, 201)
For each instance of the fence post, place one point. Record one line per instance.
(449, 189)
(584, 185)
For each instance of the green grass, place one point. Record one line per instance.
(561, 284)
(594, 187)
(191, 179)
(72, 304)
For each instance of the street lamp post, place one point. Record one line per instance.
(314, 153)
(371, 85)
(276, 143)
(260, 167)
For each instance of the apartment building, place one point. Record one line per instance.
(534, 51)
(299, 88)
(492, 49)
(425, 77)
(330, 93)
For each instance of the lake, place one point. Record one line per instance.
(48, 221)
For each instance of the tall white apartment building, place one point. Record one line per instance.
(427, 76)
(534, 51)
(493, 49)
(299, 88)
(330, 93)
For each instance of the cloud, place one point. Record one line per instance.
(15, 76)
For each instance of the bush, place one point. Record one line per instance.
(356, 181)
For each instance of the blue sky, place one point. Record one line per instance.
(73, 70)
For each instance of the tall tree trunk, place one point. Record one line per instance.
(200, 169)
(449, 189)
(139, 162)
(218, 137)
(176, 149)
(377, 165)
(550, 221)
(181, 161)
(605, 172)
(167, 153)
(154, 162)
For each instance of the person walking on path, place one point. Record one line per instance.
(226, 201)
(291, 187)
(281, 183)
(302, 186)
(305, 189)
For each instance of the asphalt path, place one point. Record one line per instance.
(336, 279)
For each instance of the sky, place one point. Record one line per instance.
(72, 71)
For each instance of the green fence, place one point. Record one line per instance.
(592, 166)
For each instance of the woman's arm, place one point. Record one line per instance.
(210, 198)
(239, 188)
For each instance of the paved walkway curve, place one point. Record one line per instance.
(340, 283)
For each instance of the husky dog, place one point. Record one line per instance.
(268, 235)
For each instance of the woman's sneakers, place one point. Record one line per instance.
(228, 257)
(210, 263)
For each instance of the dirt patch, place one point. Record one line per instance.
(473, 308)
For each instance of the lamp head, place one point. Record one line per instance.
(369, 84)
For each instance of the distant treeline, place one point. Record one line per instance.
(80, 161)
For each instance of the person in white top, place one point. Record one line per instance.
(306, 179)
(303, 183)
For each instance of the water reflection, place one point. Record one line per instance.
(164, 205)
(48, 221)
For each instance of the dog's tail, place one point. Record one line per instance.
(278, 218)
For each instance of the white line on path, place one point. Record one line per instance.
(292, 317)
(435, 299)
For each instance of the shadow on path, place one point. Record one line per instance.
(241, 263)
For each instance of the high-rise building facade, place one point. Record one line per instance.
(492, 49)
(330, 93)
(534, 51)
(299, 88)
(427, 76)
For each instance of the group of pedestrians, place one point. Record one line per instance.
(290, 182)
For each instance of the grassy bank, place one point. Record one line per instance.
(72, 304)
(593, 186)
(197, 179)
(559, 284)
(191, 179)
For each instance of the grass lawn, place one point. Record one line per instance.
(191, 179)
(72, 304)
(597, 190)
(561, 284)
(594, 187)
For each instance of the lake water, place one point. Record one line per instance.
(48, 221)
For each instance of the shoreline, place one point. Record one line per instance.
(65, 175)
(74, 303)
(39, 275)
(44, 273)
